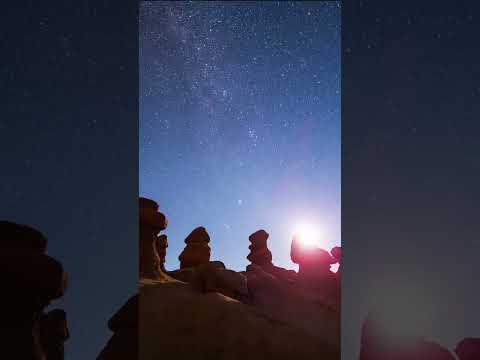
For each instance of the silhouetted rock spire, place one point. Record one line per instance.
(197, 251)
(151, 222)
(161, 251)
(30, 281)
(53, 333)
(259, 253)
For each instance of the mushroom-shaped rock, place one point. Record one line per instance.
(259, 238)
(259, 252)
(312, 262)
(150, 216)
(21, 238)
(151, 222)
(196, 251)
(37, 276)
(30, 281)
(261, 256)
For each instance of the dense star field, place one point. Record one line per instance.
(240, 121)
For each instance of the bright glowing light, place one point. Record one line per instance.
(308, 234)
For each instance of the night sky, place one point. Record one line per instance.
(410, 168)
(240, 122)
(240, 129)
(69, 151)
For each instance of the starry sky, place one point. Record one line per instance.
(69, 151)
(410, 169)
(240, 121)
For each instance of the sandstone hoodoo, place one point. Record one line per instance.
(197, 251)
(259, 253)
(207, 311)
(313, 263)
(161, 251)
(32, 280)
(53, 333)
(152, 250)
(151, 222)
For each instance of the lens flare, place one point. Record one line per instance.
(307, 234)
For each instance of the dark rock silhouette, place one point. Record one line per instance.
(22, 238)
(124, 324)
(468, 349)
(53, 333)
(215, 277)
(293, 298)
(207, 311)
(161, 251)
(197, 251)
(195, 254)
(259, 253)
(376, 344)
(313, 263)
(314, 274)
(205, 275)
(261, 256)
(151, 222)
(32, 281)
(152, 250)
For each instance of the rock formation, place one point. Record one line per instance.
(259, 253)
(219, 314)
(468, 349)
(197, 251)
(152, 250)
(219, 327)
(377, 344)
(151, 247)
(123, 345)
(53, 333)
(177, 322)
(195, 254)
(215, 277)
(205, 275)
(315, 277)
(261, 256)
(31, 280)
(161, 251)
(313, 263)
(285, 295)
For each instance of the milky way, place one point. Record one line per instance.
(240, 119)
